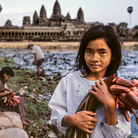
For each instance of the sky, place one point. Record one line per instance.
(104, 11)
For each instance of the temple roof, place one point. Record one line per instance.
(68, 17)
(8, 23)
(56, 8)
(43, 12)
(57, 13)
(80, 15)
(35, 17)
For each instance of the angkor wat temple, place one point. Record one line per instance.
(56, 28)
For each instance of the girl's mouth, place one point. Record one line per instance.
(95, 65)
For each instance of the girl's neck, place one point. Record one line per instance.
(93, 76)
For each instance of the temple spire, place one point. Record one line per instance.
(80, 16)
(35, 18)
(68, 17)
(43, 12)
(56, 8)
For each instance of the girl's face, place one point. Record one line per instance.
(97, 57)
(6, 77)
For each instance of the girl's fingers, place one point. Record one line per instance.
(90, 113)
(92, 92)
(97, 84)
(91, 126)
(94, 120)
(102, 81)
(92, 123)
(95, 88)
(89, 131)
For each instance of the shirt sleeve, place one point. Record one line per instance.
(121, 130)
(58, 105)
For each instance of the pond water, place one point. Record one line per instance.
(63, 61)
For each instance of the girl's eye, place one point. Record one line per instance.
(102, 52)
(88, 52)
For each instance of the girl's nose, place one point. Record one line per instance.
(95, 58)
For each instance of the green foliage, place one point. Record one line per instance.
(38, 110)
(3, 63)
(37, 129)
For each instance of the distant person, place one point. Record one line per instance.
(38, 58)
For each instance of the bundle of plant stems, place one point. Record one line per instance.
(122, 91)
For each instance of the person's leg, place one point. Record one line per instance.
(38, 71)
(42, 69)
(39, 63)
(43, 72)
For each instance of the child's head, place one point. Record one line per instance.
(6, 72)
(111, 38)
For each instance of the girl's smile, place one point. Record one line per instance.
(98, 57)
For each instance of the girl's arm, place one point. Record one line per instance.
(5, 93)
(35, 56)
(105, 97)
(114, 125)
(83, 120)
(3, 89)
(59, 116)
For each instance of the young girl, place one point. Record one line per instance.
(5, 74)
(98, 57)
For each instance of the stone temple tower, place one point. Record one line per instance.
(26, 21)
(35, 18)
(56, 9)
(43, 17)
(68, 17)
(57, 16)
(80, 16)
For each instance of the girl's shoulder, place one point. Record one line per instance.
(73, 74)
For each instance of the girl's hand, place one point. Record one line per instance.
(7, 93)
(102, 94)
(84, 120)
(9, 90)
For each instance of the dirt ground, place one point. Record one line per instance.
(43, 45)
(50, 45)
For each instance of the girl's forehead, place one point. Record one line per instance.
(97, 44)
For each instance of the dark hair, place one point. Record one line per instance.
(6, 70)
(112, 40)
(29, 45)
